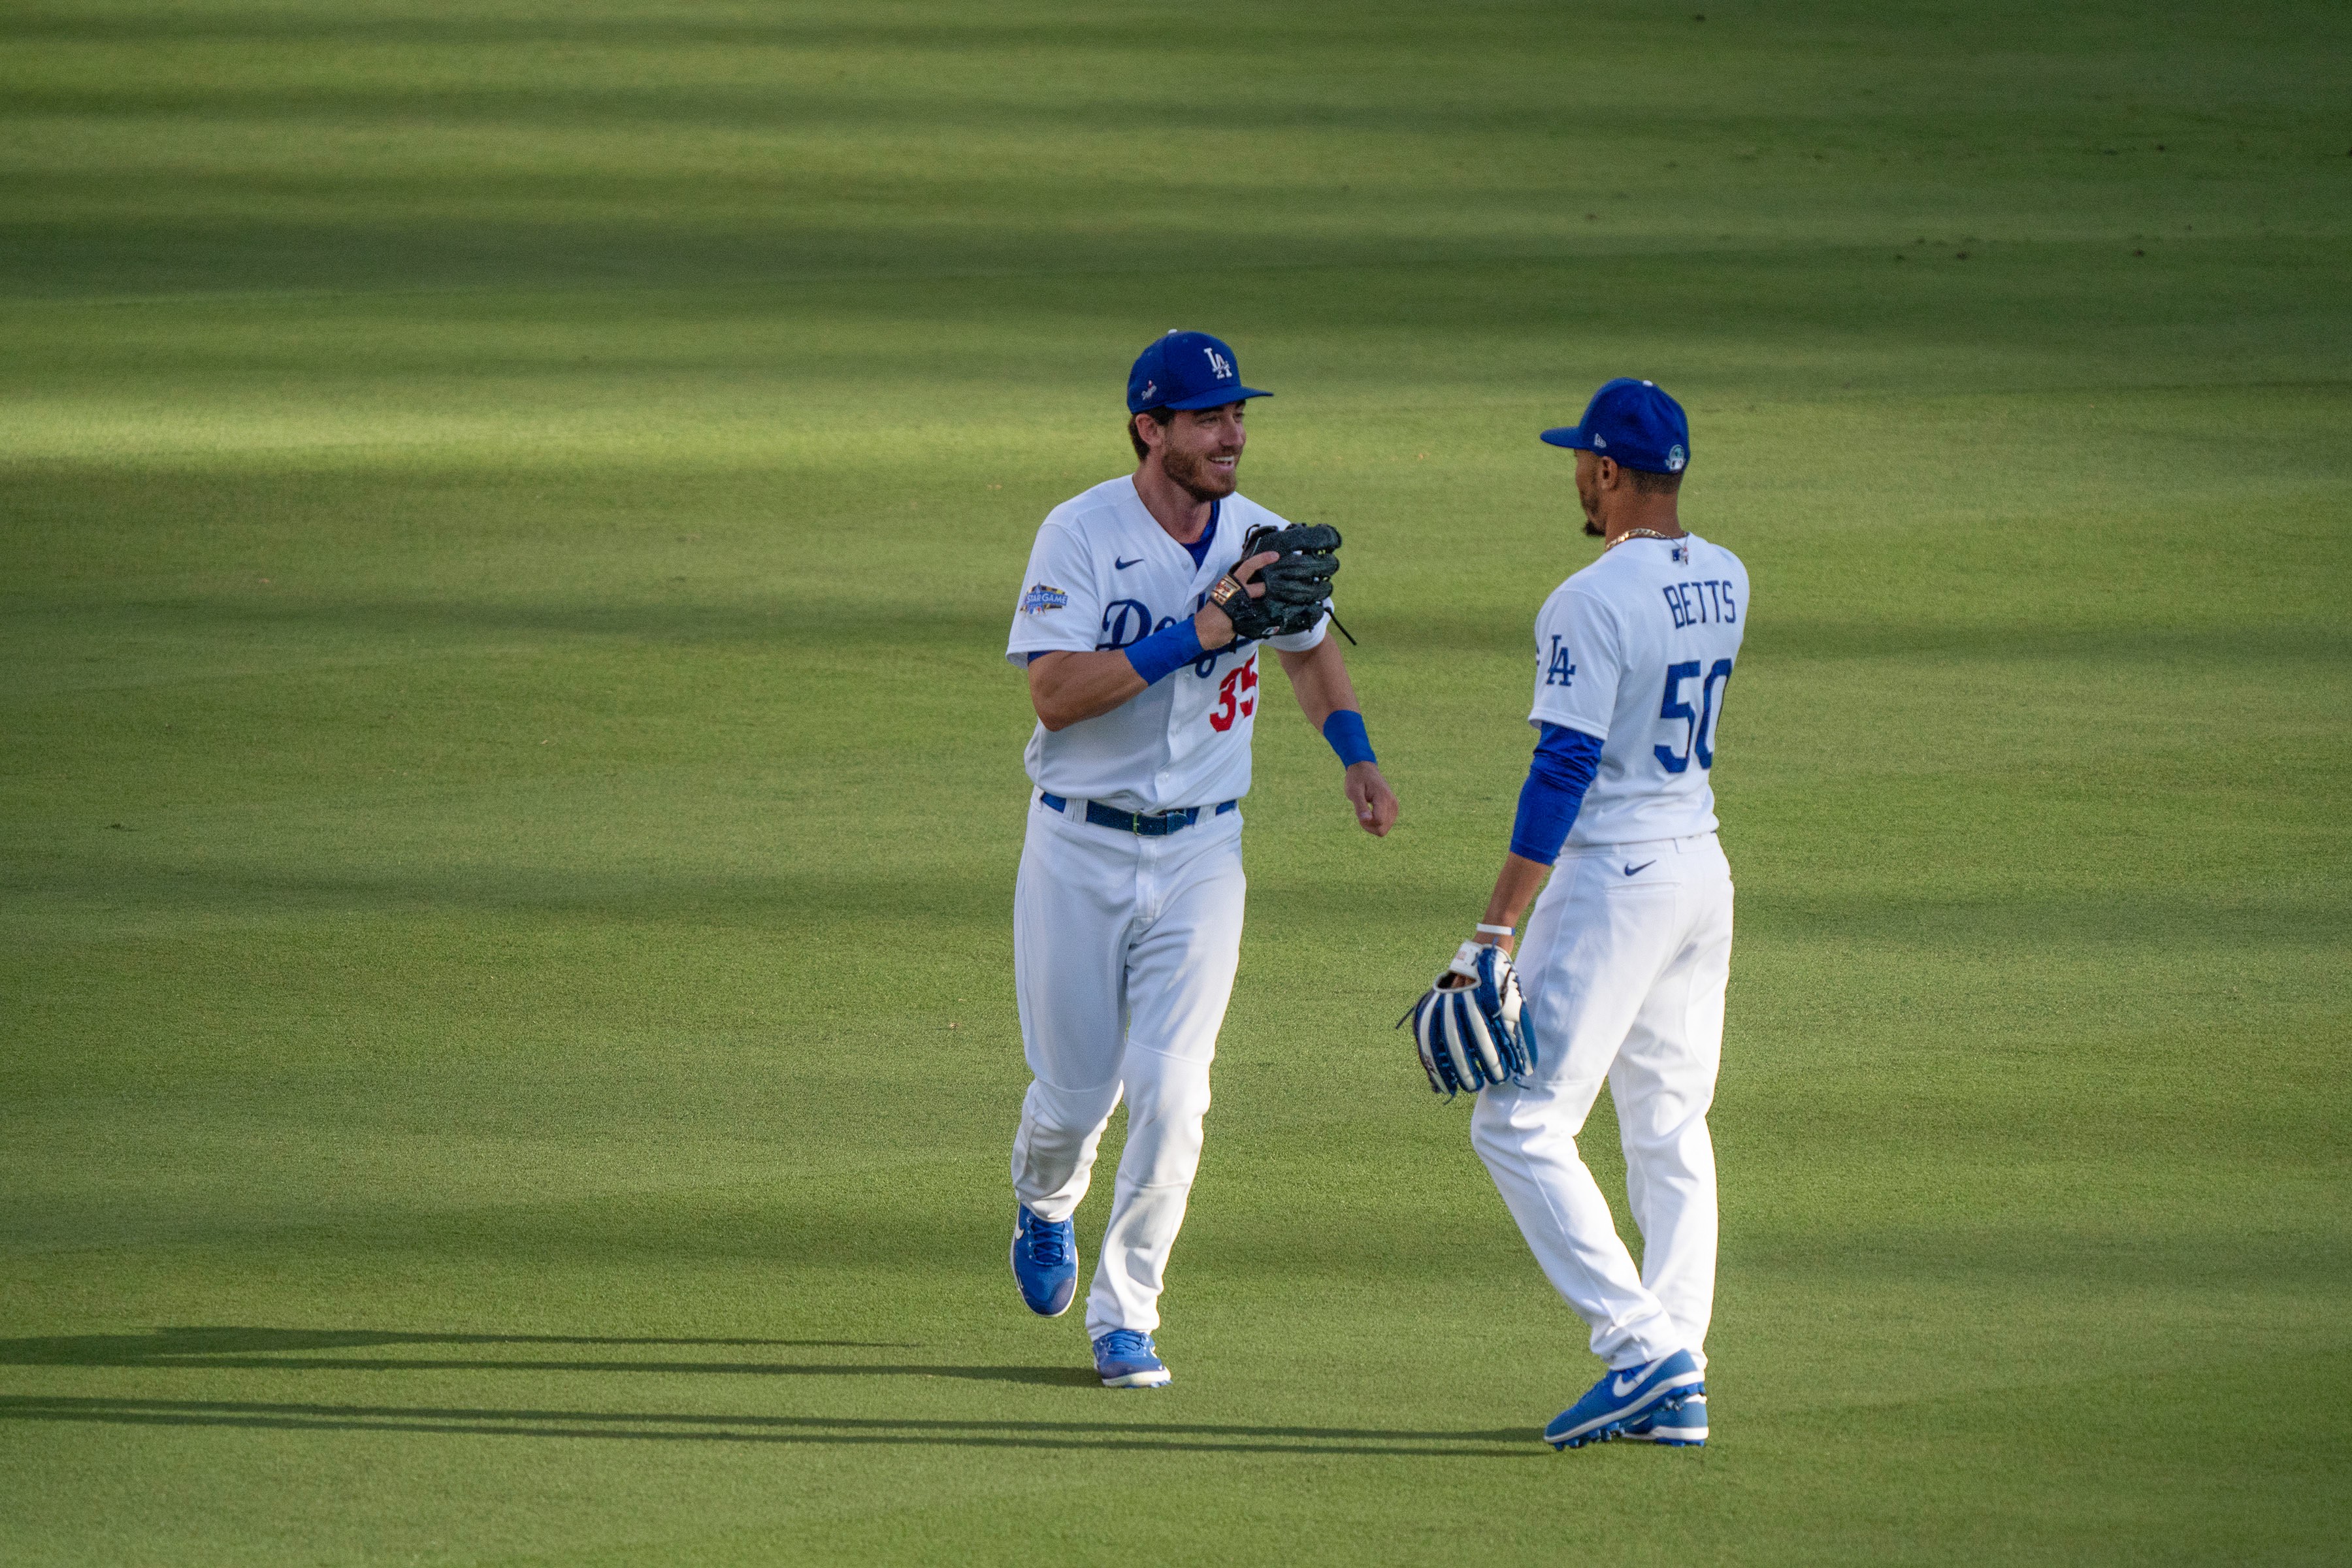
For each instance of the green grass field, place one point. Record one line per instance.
(510, 792)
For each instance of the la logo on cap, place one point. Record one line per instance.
(1219, 366)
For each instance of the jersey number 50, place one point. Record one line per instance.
(1698, 739)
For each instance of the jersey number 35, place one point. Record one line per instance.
(1235, 697)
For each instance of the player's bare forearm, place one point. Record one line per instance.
(1318, 678)
(1514, 888)
(1067, 687)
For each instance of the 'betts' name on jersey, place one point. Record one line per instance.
(1102, 574)
(1638, 650)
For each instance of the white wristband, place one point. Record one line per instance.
(1485, 930)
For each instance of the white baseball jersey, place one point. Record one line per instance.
(1102, 574)
(1628, 950)
(1637, 649)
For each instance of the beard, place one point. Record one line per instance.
(1591, 503)
(1194, 476)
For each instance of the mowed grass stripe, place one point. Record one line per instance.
(514, 516)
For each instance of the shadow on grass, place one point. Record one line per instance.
(277, 1349)
(267, 1349)
(134, 1350)
(803, 1430)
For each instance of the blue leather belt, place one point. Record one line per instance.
(1158, 826)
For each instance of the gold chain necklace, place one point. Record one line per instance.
(1641, 534)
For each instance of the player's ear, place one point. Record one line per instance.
(1605, 472)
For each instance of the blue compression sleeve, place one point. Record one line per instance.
(1345, 730)
(1165, 651)
(1557, 779)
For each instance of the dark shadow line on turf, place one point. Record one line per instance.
(70, 1407)
(179, 1343)
(1070, 1374)
(1111, 1438)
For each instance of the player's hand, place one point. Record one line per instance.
(1375, 803)
(1214, 628)
(1252, 567)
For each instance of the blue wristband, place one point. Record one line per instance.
(1166, 651)
(1345, 730)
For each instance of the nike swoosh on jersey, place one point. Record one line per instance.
(1629, 871)
(1118, 565)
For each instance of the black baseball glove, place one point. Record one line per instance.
(1297, 586)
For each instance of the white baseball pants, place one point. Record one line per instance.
(1625, 965)
(1124, 949)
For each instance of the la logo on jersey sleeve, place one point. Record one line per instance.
(1559, 669)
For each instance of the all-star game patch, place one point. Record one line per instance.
(1041, 598)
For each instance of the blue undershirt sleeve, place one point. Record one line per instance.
(1558, 776)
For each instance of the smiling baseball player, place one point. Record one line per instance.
(1139, 623)
(1629, 948)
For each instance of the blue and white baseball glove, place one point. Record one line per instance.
(1468, 1024)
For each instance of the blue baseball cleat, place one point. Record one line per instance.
(1620, 1397)
(1044, 1263)
(1126, 1359)
(1683, 1428)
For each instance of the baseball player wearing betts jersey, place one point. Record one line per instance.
(1629, 948)
(1127, 909)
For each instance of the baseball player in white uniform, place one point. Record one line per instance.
(1127, 909)
(1629, 947)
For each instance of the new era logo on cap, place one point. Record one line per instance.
(1635, 422)
(1187, 370)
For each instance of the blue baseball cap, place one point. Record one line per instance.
(1634, 422)
(1186, 369)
